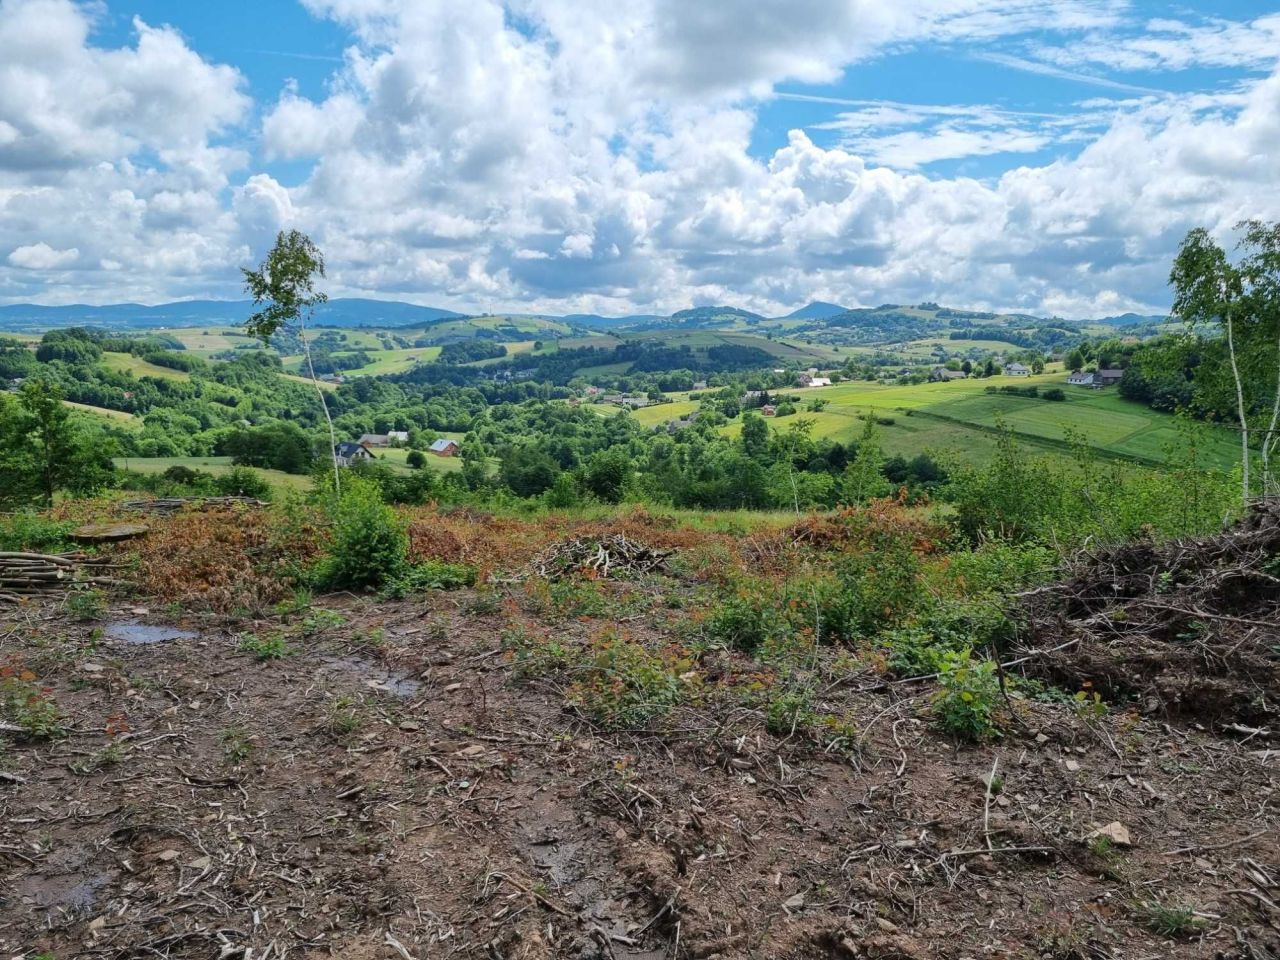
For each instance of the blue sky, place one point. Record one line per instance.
(556, 155)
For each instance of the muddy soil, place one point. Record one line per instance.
(390, 789)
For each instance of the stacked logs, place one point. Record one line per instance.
(32, 574)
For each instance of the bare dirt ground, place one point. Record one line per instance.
(394, 786)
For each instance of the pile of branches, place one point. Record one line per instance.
(614, 555)
(24, 575)
(1188, 627)
(174, 504)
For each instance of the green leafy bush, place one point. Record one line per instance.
(429, 575)
(965, 706)
(30, 531)
(751, 616)
(369, 541)
(242, 482)
(273, 646)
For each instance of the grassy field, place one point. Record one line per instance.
(128, 363)
(206, 341)
(397, 456)
(960, 418)
(118, 417)
(215, 465)
(307, 381)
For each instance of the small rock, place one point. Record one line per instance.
(472, 751)
(201, 863)
(1115, 831)
(92, 667)
(139, 611)
(1072, 766)
(1041, 739)
(410, 725)
(620, 833)
(794, 903)
(888, 926)
(452, 687)
(168, 856)
(96, 925)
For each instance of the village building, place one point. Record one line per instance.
(769, 410)
(942, 374)
(374, 440)
(444, 447)
(1017, 370)
(349, 452)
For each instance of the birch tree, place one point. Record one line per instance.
(283, 286)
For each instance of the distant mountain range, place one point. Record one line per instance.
(361, 312)
(345, 312)
(818, 310)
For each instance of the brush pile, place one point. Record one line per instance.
(25, 575)
(1189, 627)
(614, 555)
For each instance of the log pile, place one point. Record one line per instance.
(25, 575)
(174, 504)
(614, 555)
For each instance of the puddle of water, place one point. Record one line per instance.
(141, 633)
(76, 894)
(377, 677)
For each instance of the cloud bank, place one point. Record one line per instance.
(564, 156)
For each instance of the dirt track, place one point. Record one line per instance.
(404, 795)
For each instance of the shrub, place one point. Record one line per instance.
(242, 482)
(748, 618)
(965, 705)
(416, 459)
(27, 704)
(369, 541)
(1055, 394)
(31, 531)
(625, 685)
(429, 575)
(271, 647)
(86, 605)
(181, 475)
(790, 708)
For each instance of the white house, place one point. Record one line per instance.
(1017, 370)
(348, 452)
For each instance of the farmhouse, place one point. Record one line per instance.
(769, 410)
(943, 374)
(444, 447)
(635, 403)
(809, 380)
(348, 452)
(1110, 377)
(1017, 370)
(374, 440)
(675, 426)
(398, 436)
(1083, 378)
